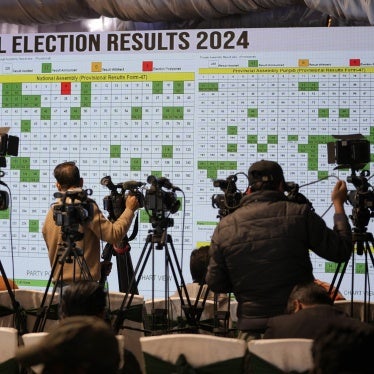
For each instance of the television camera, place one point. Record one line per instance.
(353, 151)
(158, 199)
(230, 199)
(115, 203)
(73, 209)
(8, 147)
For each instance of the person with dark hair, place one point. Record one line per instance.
(261, 250)
(78, 345)
(310, 309)
(199, 261)
(86, 298)
(333, 292)
(94, 230)
(343, 348)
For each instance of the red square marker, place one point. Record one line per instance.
(147, 65)
(65, 88)
(354, 62)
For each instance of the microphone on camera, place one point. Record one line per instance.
(162, 182)
(165, 182)
(131, 185)
(107, 182)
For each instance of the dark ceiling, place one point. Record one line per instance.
(78, 15)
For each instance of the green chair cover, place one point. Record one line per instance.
(155, 365)
(9, 367)
(257, 365)
(5, 311)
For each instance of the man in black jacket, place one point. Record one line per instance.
(261, 250)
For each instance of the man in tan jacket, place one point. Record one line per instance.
(93, 231)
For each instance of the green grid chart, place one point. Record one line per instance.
(189, 117)
(286, 115)
(128, 128)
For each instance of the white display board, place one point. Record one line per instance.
(192, 106)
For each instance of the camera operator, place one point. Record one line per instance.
(261, 250)
(98, 228)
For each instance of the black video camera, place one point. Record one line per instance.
(8, 147)
(73, 209)
(353, 151)
(115, 203)
(350, 151)
(160, 200)
(292, 193)
(4, 200)
(229, 201)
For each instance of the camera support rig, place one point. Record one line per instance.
(114, 204)
(159, 204)
(362, 202)
(68, 215)
(9, 147)
(353, 151)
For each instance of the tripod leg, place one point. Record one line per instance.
(332, 291)
(43, 310)
(85, 271)
(191, 316)
(368, 252)
(139, 269)
(20, 316)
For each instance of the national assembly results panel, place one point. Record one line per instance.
(192, 106)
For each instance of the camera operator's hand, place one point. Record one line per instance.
(339, 196)
(132, 202)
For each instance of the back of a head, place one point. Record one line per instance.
(80, 344)
(265, 175)
(199, 261)
(308, 294)
(344, 348)
(83, 298)
(67, 175)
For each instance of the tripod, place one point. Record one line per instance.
(20, 316)
(362, 239)
(219, 324)
(67, 253)
(158, 239)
